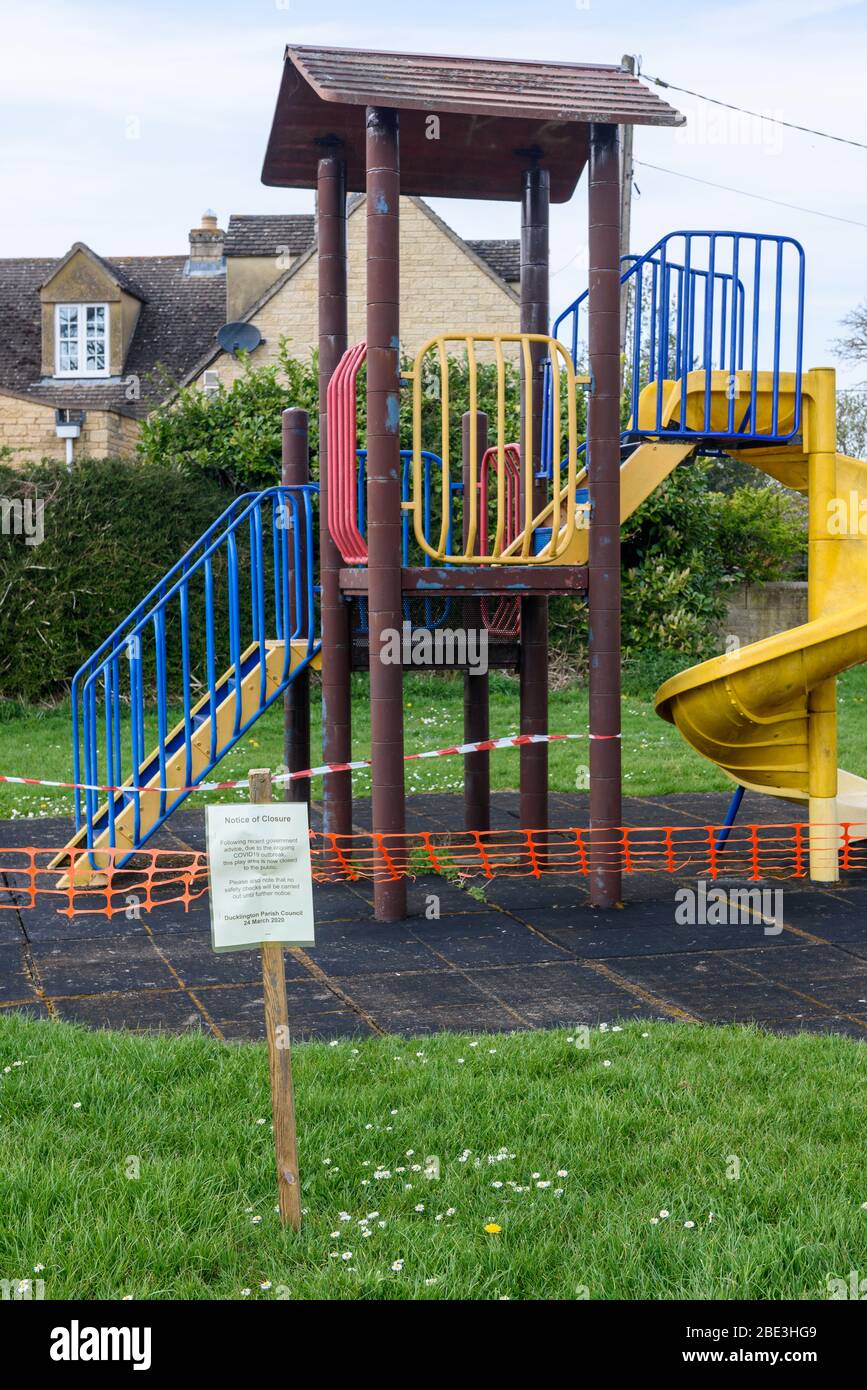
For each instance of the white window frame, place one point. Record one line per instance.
(81, 310)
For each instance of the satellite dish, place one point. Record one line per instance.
(239, 337)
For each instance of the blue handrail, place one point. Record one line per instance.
(705, 301)
(269, 532)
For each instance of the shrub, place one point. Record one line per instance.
(759, 533)
(233, 436)
(112, 527)
(678, 549)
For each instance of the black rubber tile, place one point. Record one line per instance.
(10, 925)
(854, 948)
(486, 939)
(170, 921)
(835, 977)
(100, 967)
(709, 808)
(15, 982)
(699, 969)
(170, 1012)
(428, 1002)
(525, 895)
(442, 811)
(198, 964)
(43, 923)
(762, 1005)
(713, 987)
(348, 949)
(635, 938)
(314, 1011)
(340, 902)
(252, 1029)
(852, 882)
(182, 828)
(839, 917)
(831, 919)
(562, 995)
(53, 831)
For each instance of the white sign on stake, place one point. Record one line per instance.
(261, 878)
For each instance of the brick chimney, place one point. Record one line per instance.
(206, 247)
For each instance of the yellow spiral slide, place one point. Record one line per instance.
(767, 713)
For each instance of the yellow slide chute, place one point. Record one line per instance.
(766, 714)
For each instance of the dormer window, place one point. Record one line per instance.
(81, 338)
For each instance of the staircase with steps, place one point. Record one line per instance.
(151, 715)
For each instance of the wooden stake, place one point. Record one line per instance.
(279, 1054)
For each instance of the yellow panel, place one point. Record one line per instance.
(519, 552)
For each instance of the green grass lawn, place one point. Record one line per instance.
(656, 761)
(572, 1152)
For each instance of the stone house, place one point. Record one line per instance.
(90, 345)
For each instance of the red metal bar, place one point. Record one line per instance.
(343, 458)
(603, 453)
(334, 454)
(351, 474)
(336, 651)
(383, 490)
(535, 205)
(295, 471)
(477, 766)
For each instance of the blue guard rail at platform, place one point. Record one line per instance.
(705, 301)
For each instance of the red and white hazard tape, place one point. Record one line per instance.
(483, 746)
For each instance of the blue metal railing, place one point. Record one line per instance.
(707, 301)
(255, 566)
(436, 610)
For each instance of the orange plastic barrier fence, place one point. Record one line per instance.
(751, 852)
(153, 879)
(158, 878)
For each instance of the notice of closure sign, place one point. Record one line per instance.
(261, 880)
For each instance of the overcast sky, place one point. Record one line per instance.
(122, 122)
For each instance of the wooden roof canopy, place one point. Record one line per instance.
(496, 118)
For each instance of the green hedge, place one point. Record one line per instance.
(112, 528)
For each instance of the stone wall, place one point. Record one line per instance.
(27, 427)
(762, 610)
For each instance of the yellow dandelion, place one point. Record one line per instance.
(493, 1229)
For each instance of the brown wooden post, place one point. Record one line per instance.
(383, 489)
(336, 655)
(477, 766)
(296, 701)
(603, 453)
(279, 1054)
(535, 203)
